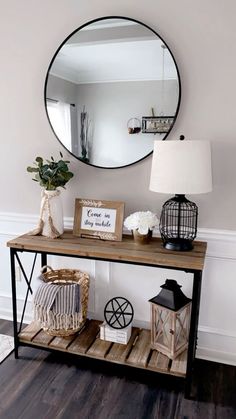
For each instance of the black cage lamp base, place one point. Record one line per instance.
(178, 223)
(178, 244)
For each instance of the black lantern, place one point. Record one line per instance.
(170, 320)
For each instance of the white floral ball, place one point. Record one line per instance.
(141, 221)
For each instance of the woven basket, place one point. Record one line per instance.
(68, 276)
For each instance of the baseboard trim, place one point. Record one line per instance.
(218, 332)
(228, 358)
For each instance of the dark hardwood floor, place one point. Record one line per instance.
(43, 385)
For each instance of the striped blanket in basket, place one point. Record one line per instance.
(57, 306)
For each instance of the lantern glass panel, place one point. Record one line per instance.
(163, 326)
(170, 329)
(182, 328)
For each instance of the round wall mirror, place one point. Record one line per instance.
(112, 87)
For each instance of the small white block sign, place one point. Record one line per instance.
(115, 335)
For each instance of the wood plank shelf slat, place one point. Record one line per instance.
(158, 362)
(118, 352)
(42, 338)
(141, 349)
(84, 340)
(137, 353)
(61, 342)
(179, 365)
(99, 348)
(29, 332)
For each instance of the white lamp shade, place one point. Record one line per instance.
(181, 167)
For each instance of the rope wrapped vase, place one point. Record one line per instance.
(51, 215)
(61, 301)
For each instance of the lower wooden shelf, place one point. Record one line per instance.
(136, 353)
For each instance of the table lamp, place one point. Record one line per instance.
(179, 168)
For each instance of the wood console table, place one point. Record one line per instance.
(137, 353)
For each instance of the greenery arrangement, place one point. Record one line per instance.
(52, 174)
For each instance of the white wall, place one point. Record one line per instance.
(202, 38)
(111, 105)
(60, 89)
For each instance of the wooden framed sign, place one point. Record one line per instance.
(98, 219)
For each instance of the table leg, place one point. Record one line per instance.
(197, 280)
(14, 304)
(43, 259)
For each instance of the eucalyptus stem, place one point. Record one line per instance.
(52, 174)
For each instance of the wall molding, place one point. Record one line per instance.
(11, 223)
(215, 344)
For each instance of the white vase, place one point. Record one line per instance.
(51, 214)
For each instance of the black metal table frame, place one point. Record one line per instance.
(196, 292)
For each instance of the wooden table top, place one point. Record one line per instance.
(127, 250)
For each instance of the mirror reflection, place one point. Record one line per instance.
(111, 89)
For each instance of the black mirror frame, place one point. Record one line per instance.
(51, 63)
